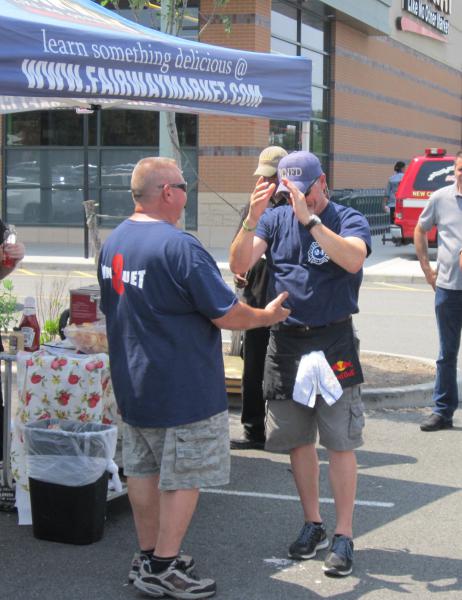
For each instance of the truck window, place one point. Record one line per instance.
(434, 175)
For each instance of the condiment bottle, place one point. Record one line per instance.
(29, 326)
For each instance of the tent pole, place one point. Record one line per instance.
(85, 182)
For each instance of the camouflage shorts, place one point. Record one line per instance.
(188, 456)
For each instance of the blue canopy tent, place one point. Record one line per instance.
(63, 53)
(57, 54)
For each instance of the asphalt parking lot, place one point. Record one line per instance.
(407, 529)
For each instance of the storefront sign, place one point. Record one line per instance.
(432, 12)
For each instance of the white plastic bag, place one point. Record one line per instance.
(68, 452)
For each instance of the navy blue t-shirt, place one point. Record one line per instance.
(159, 290)
(320, 291)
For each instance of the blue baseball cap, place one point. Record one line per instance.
(302, 168)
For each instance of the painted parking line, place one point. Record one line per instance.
(395, 287)
(50, 274)
(291, 498)
(84, 274)
(26, 272)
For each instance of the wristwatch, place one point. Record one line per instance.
(314, 220)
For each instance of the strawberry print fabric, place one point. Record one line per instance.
(59, 386)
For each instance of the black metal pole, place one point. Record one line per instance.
(86, 183)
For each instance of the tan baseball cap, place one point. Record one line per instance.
(268, 161)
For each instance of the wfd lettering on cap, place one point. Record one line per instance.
(290, 172)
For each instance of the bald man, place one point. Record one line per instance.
(165, 303)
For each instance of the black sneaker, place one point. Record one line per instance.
(173, 582)
(186, 562)
(339, 560)
(246, 443)
(311, 538)
(435, 422)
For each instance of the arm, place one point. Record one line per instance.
(421, 249)
(242, 316)
(386, 198)
(246, 249)
(347, 252)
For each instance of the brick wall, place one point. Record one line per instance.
(389, 103)
(229, 146)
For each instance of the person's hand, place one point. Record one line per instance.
(15, 251)
(386, 209)
(430, 276)
(298, 202)
(259, 200)
(276, 312)
(240, 281)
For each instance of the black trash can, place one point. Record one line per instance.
(68, 478)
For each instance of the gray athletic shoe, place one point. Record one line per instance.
(311, 538)
(339, 561)
(173, 582)
(187, 564)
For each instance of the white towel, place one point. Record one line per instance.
(314, 376)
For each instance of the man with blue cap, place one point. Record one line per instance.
(315, 249)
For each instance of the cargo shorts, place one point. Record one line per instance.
(185, 457)
(290, 425)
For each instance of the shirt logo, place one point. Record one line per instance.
(120, 278)
(117, 272)
(316, 255)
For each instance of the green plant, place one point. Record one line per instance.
(8, 302)
(50, 304)
(49, 331)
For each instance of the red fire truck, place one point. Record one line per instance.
(424, 175)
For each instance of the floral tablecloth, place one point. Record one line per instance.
(59, 386)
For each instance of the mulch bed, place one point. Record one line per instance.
(383, 370)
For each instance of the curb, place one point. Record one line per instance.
(58, 263)
(409, 396)
(419, 395)
(404, 396)
(392, 278)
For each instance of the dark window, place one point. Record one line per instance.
(300, 29)
(45, 180)
(48, 128)
(129, 128)
(434, 175)
(186, 125)
(286, 134)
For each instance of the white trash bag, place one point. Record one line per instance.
(70, 453)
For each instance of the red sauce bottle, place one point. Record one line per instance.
(29, 326)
